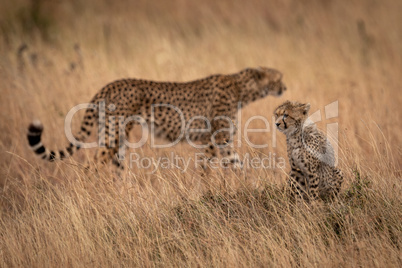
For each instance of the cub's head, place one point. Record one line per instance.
(290, 116)
(269, 81)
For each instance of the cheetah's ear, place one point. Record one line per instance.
(276, 76)
(259, 73)
(306, 108)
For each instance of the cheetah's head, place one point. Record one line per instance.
(290, 116)
(269, 81)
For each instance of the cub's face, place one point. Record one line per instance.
(270, 82)
(290, 116)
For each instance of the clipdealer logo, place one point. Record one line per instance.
(271, 160)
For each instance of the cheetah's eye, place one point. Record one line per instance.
(284, 116)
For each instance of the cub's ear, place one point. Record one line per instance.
(259, 73)
(275, 76)
(306, 108)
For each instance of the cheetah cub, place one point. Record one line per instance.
(313, 173)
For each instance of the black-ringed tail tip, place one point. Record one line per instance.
(35, 130)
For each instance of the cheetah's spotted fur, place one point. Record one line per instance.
(211, 97)
(311, 156)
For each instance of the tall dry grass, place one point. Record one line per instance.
(55, 55)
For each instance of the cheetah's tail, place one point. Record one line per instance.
(35, 130)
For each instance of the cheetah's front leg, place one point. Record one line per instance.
(297, 185)
(226, 157)
(309, 170)
(222, 138)
(303, 186)
(220, 153)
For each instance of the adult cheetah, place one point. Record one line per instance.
(174, 110)
(313, 173)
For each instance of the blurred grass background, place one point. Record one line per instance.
(56, 54)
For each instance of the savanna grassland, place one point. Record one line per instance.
(57, 54)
